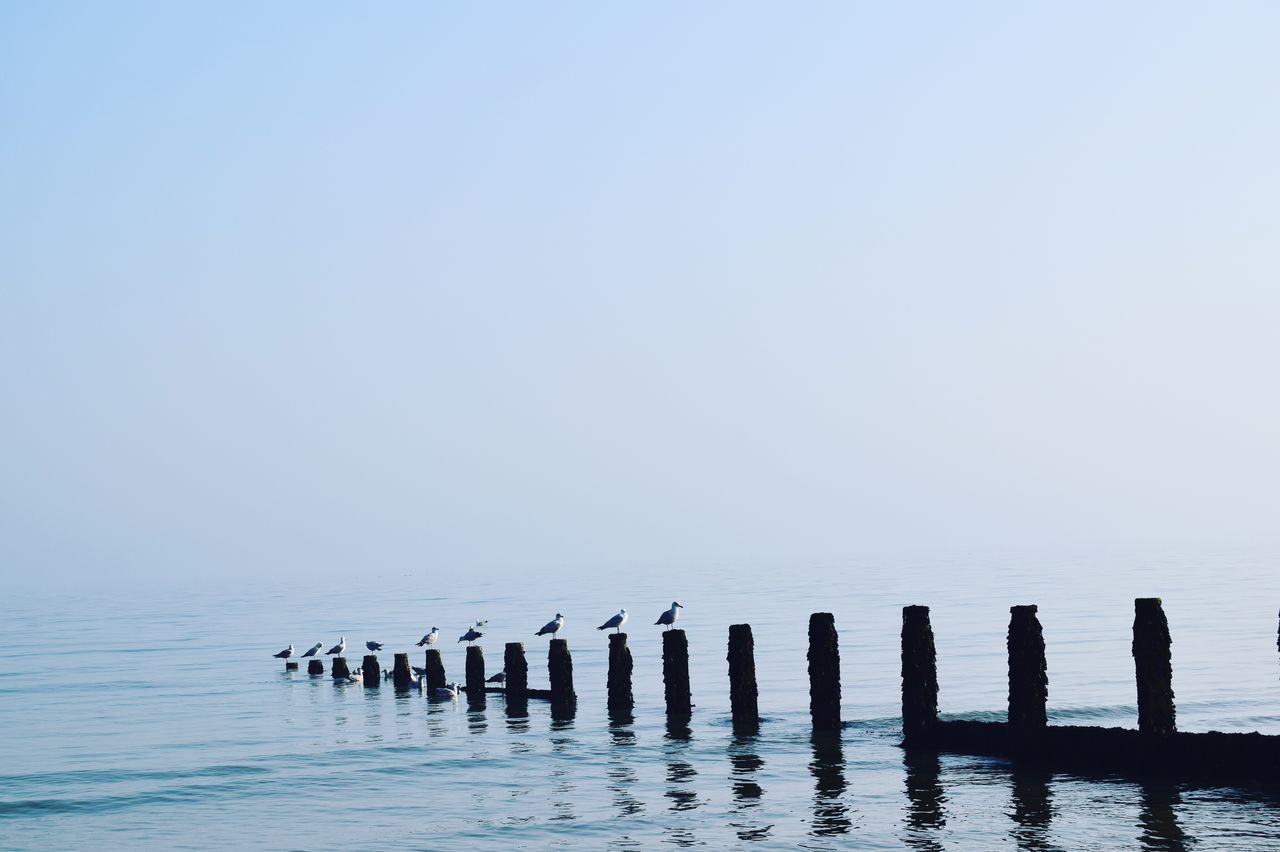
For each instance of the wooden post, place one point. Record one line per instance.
(1028, 680)
(560, 670)
(401, 674)
(291, 666)
(743, 693)
(919, 675)
(339, 669)
(315, 667)
(675, 673)
(824, 672)
(517, 669)
(435, 669)
(475, 671)
(1153, 663)
(371, 674)
(621, 699)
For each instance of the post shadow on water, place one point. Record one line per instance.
(1158, 819)
(926, 802)
(680, 777)
(830, 812)
(622, 777)
(1031, 808)
(745, 764)
(562, 788)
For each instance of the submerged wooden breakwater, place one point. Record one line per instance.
(1155, 748)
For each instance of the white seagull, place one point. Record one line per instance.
(340, 648)
(373, 646)
(500, 677)
(314, 649)
(669, 617)
(285, 654)
(616, 622)
(470, 636)
(552, 627)
(430, 638)
(450, 691)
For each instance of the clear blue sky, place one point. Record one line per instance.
(315, 287)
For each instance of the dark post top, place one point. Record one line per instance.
(824, 672)
(1028, 680)
(675, 672)
(1153, 665)
(621, 698)
(743, 691)
(919, 675)
(517, 669)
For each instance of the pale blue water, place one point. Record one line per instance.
(159, 719)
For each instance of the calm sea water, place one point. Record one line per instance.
(159, 719)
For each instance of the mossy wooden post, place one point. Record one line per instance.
(824, 672)
(564, 700)
(919, 676)
(339, 669)
(1028, 679)
(435, 669)
(1153, 664)
(743, 692)
(475, 671)
(517, 669)
(315, 667)
(370, 673)
(401, 674)
(621, 699)
(675, 673)
(291, 666)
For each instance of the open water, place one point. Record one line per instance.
(158, 719)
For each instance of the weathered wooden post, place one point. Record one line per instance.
(1028, 680)
(370, 673)
(824, 672)
(339, 669)
(675, 673)
(743, 692)
(315, 667)
(291, 666)
(621, 698)
(517, 669)
(1154, 667)
(401, 674)
(475, 671)
(919, 675)
(435, 669)
(560, 671)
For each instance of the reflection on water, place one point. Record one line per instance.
(830, 812)
(562, 788)
(1032, 808)
(745, 765)
(1158, 820)
(622, 778)
(477, 722)
(926, 812)
(680, 778)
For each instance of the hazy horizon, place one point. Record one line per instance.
(303, 290)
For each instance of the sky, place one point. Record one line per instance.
(310, 289)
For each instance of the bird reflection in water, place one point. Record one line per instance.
(622, 778)
(562, 789)
(830, 813)
(1032, 807)
(745, 764)
(926, 812)
(1158, 819)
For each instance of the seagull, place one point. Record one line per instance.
(482, 622)
(314, 649)
(430, 638)
(669, 617)
(286, 653)
(340, 648)
(373, 646)
(616, 622)
(470, 636)
(450, 691)
(552, 627)
(419, 672)
(500, 677)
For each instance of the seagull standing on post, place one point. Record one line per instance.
(669, 617)
(616, 622)
(340, 648)
(430, 638)
(285, 654)
(470, 636)
(314, 649)
(552, 627)
(373, 646)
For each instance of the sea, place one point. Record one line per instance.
(154, 716)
